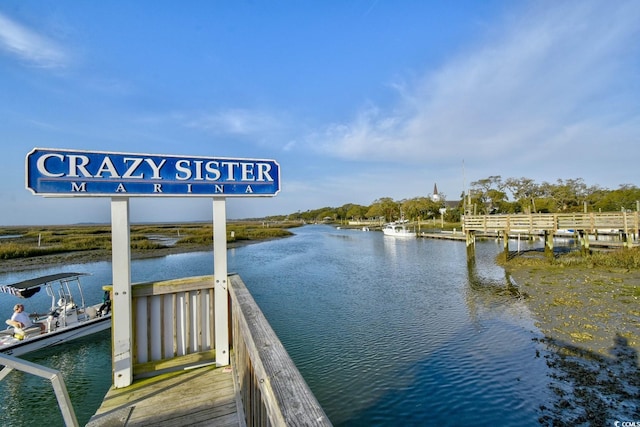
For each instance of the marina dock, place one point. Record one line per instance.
(176, 378)
(204, 396)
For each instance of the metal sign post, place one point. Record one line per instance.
(73, 173)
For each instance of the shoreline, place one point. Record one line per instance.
(585, 307)
(590, 322)
(104, 255)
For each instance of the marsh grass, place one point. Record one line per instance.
(235, 233)
(626, 259)
(39, 241)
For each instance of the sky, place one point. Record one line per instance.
(356, 100)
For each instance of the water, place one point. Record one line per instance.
(399, 332)
(385, 331)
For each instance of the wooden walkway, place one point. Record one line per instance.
(203, 396)
(591, 222)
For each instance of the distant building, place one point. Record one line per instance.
(447, 204)
(435, 196)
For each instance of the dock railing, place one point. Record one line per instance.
(173, 327)
(626, 222)
(272, 389)
(11, 363)
(173, 324)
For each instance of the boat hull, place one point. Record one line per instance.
(405, 235)
(27, 345)
(397, 231)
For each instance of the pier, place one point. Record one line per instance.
(176, 381)
(189, 397)
(582, 225)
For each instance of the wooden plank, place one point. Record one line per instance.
(174, 362)
(172, 286)
(203, 396)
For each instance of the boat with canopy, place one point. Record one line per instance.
(68, 317)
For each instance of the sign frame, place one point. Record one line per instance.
(54, 172)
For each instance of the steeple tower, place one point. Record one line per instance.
(435, 196)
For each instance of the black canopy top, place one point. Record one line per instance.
(38, 281)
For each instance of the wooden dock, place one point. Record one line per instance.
(204, 396)
(176, 382)
(585, 226)
(444, 236)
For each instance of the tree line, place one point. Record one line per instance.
(523, 195)
(491, 195)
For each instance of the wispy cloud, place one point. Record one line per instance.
(240, 122)
(555, 76)
(30, 46)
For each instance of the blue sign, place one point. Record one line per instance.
(53, 172)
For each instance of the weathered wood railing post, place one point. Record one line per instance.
(626, 241)
(548, 243)
(471, 244)
(584, 241)
(505, 238)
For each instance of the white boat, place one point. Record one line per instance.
(398, 230)
(67, 319)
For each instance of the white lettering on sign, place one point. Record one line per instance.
(215, 171)
(76, 166)
(75, 187)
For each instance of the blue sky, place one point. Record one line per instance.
(356, 100)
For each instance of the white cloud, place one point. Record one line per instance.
(30, 46)
(539, 81)
(240, 122)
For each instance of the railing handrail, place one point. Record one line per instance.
(270, 382)
(625, 221)
(57, 381)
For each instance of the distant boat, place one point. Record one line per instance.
(68, 317)
(398, 230)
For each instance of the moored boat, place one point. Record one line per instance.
(398, 230)
(68, 317)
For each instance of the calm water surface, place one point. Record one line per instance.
(386, 332)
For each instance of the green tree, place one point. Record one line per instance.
(387, 208)
(357, 212)
(488, 193)
(568, 195)
(625, 197)
(524, 192)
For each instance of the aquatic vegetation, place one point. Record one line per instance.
(626, 259)
(27, 242)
